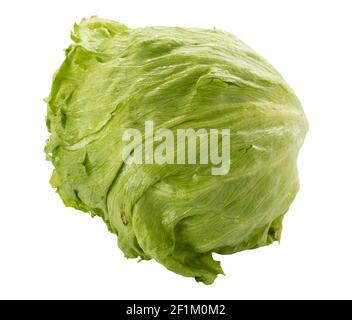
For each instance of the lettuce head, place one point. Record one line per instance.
(114, 78)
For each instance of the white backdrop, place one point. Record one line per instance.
(49, 251)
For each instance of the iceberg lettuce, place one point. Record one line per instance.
(114, 78)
